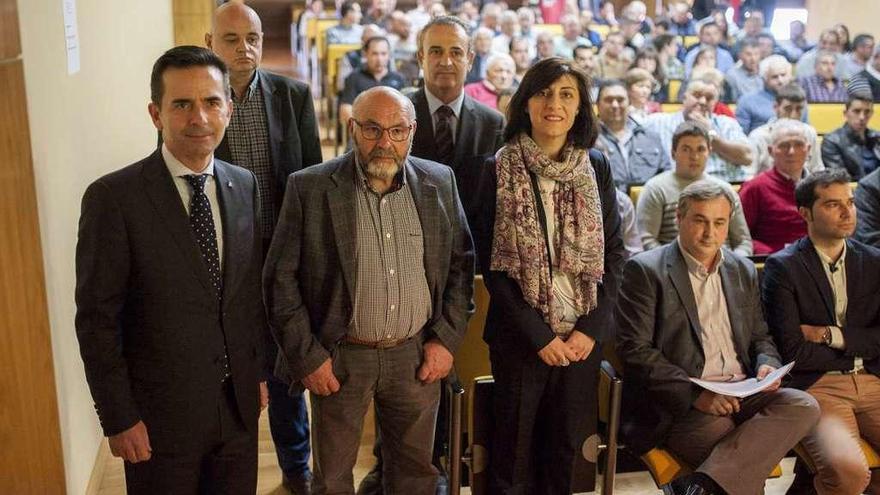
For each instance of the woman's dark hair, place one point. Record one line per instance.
(541, 76)
(651, 53)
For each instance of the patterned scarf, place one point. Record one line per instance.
(519, 246)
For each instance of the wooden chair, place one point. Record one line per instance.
(554, 29)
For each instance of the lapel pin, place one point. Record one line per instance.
(229, 183)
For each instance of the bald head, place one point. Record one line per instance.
(382, 96)
(237, 38)
(235, 12)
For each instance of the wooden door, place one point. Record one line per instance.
(31, 460)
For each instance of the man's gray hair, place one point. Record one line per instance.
(446, 20)
(822, 54)
(704, 190)
(784, 127)
(773, 62)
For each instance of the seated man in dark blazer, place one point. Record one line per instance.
(691, 309)
(820, 295)
(169, 308)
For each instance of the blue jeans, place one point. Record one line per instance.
(289, 424)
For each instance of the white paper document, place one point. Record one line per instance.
(71, 35)
(744, 388)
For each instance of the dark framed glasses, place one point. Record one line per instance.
(373, 132)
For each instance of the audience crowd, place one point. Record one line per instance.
(609, 173)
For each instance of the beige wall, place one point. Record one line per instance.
(860, 16)
(83, 126)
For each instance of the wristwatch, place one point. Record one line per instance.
(713, 135)
(827, 336)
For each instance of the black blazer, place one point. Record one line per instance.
(293, 129)
(796, 291)
(659, 337)
(151, 330)
(867, 199)
(478, 136)
(510, 319)
(843, 149)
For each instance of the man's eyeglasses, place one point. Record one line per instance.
(373, 132)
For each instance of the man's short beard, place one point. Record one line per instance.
(376, 171)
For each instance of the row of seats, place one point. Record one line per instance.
(473, 370)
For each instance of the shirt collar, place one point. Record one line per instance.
(251, 87)
(695, 267)
(787, 177)
(399, 179)
(828, 261)
(178, 169)
(434, 103)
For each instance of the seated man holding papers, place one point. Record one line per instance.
(691, 309)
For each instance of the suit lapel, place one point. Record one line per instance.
(681, 281)
(733, 288)
(272, 104)
(428, 206)
(343, 208)
(166, 200)
(854, 266)
(466, 131)
(423, 141)
(238, 228)
(813, 265)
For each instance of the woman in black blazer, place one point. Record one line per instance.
(550, 250)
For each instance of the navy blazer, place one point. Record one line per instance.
(151, 329)
(796, 291)
(659, 337)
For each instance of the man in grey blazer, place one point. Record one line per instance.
(169, 311)
(369, 283)
(273, 133)
(691, 309)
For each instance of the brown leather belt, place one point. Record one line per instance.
(382, 344)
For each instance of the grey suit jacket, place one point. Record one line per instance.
(151, 328)
(309, 276)
(659, 336)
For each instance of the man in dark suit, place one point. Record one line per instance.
(454, 129)
(170, 317)
(820, 295)
(273, 133)
(691, 309)
(369, 284)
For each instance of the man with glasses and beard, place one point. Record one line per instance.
(368, 285)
